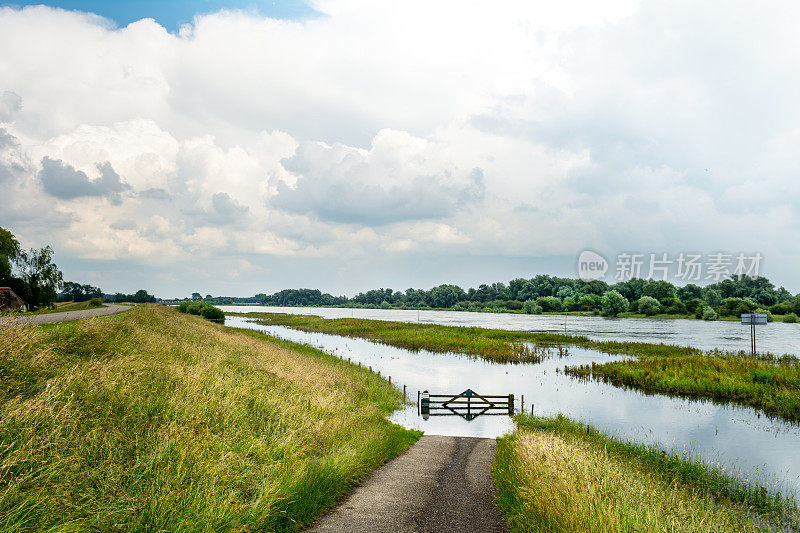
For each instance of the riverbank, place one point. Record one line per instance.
(152, 419)
(554, 474)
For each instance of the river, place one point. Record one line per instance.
(775, 337)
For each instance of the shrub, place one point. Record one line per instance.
(614, 303)
(203, 309)
(649, 306)
(693, 305)
(514, 304)
(791, 317)
(770, 318)
(674, 307)
(209, 312)
(549, 303)
(709, 314)
(95, 302)
(532, 308)
(737, 306)
(779, 309)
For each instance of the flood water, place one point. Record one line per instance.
(776, 337)
(737, 438)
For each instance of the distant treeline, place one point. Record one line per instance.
(75, 292)
(545, 293)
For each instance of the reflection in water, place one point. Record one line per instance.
(776, 337)
(740, 439)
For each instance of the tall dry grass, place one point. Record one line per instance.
(152, 420)
(554, 476)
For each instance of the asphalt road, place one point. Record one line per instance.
(66, 316)
(441, 484)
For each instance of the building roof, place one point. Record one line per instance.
(9, 298)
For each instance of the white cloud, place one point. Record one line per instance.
(527, 129)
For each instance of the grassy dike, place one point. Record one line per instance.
(158, 421)
(554, 474)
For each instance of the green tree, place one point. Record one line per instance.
(614, 303)
(690, 292)
(631, 289)
(141, 296)
(41, 276)
(9, 253)
(659, 289)
(75, 292)
(649, 306)
(549, 303)
(713, 298)
(532, 308)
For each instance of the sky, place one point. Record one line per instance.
(233, 148)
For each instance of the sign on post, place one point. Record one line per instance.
(753, 320)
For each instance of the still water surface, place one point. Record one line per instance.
(775, 337)
(740, 439)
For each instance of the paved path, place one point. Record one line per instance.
(441, 484)
(66, 316)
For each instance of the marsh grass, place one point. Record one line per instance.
(492, 344)
(770, 385)
(554, 474)
(157, 421)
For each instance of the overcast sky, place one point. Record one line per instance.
(254, 146)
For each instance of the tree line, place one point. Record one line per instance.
(544, 293)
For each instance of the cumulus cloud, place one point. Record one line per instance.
(399, 178)
(63, 181)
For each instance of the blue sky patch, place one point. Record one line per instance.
(173, 13)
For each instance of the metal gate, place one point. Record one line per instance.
(468, 404)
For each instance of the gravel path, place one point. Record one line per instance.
(66, 316)
(441, 484)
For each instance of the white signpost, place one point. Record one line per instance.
(753, 320)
